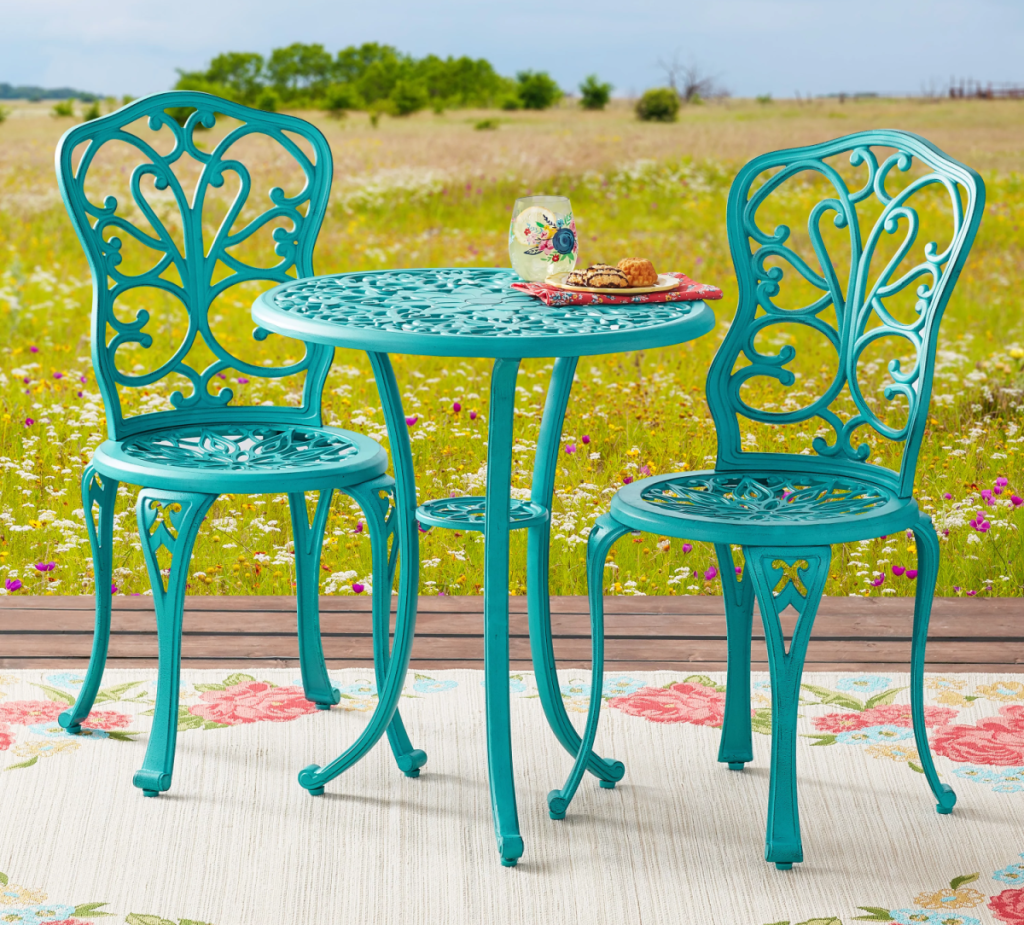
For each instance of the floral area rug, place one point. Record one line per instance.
(680, 840)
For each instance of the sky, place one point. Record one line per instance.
(781, 47)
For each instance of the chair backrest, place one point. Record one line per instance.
(847, 304)
(190, 226)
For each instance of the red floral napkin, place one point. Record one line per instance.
(686, 291)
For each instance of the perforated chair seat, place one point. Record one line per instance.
(742, 508)
(242, 459)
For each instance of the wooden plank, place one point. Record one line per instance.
(998, 627)
(969, 608)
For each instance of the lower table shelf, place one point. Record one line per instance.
(470, 514)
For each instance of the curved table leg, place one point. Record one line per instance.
(537, 567)
(372, 498)
(389, 689)
(496, 563)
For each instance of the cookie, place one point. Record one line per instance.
(577, 278)
(638, 271)
(603, 276)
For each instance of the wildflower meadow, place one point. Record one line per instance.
(433, 191)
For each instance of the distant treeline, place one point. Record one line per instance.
(371, 77)
(11, 92)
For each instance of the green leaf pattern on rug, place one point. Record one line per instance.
(20, 905)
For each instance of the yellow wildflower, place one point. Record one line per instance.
(893, 752)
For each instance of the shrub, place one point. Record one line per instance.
(658, 105)
(93, 112)
(408, 96)
(537, 90)
(4, 113)
(764, 98)
(511, 104)
(340, 98)
(65, 109)
(594, 94)
(485, 125)
(267, 100)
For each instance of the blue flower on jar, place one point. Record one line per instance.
(564, 241)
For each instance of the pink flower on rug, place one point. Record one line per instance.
(66, 921)
(680, 703)
(28, 712)
(106, 719)
(251, 703)
(1008, 906)
(6, 739)
(996, 740)
(896, 714)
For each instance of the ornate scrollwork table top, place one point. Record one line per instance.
(466, 312)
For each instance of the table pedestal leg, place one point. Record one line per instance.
(537, 566)
(496, 564)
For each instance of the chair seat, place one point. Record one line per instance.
(242, 458)
(779, 508)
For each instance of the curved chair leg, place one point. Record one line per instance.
(538, 603)
(603, 534)
(101, 493)
(776, 590)
(927, 574)
(737, 745)
(309, 541)
(381, 527)
(170, 519)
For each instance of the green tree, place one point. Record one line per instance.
(299, 71)
(594, 94)
(239, 71)
(352, 62)
(341, 97)
(659, 105)
(407, 97)
(537, 90)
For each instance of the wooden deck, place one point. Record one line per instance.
(679, 633)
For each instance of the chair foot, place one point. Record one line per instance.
(783, 865)
(608, 784)
(316, 791)
(511, 848)
(67, 725)
(557, 804)
(411, 762)
(152, 783)
(324, 706)
(736, 765)
(946, 801)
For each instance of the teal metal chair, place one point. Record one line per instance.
(785, 510)
(176, 242)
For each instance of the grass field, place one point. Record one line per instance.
(433, 191)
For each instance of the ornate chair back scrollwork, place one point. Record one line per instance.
(854, 293)
(858, 286)
(187, 242)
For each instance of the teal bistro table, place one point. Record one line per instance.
(475, 313)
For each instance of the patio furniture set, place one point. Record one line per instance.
(784, 510)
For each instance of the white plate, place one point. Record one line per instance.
(664, 284)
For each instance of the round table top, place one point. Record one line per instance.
(466, 312)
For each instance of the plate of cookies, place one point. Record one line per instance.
(632, 276)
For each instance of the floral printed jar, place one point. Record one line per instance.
(542, 237)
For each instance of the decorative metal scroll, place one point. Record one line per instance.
(206, 263)
(241, 448)
(857, 295)
(434, 302)
(741, 498)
